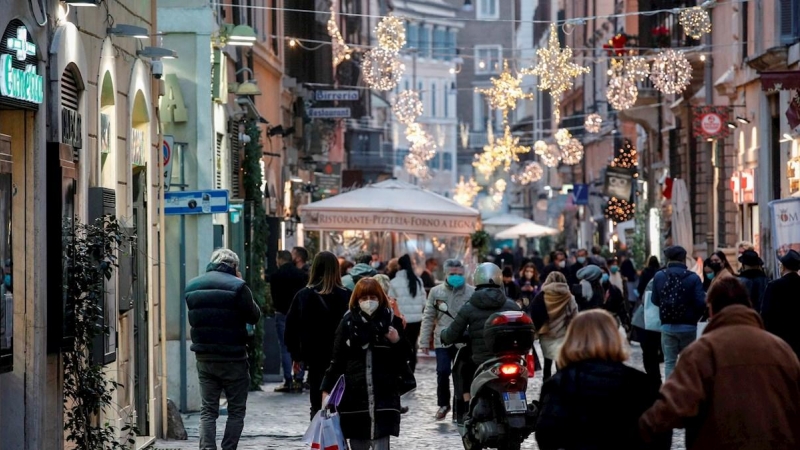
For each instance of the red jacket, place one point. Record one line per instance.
(737, 387)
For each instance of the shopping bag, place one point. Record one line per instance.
(325, 432)
(336, 394)
(652, 313)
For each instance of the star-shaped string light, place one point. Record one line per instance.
(466, 191)
(340, 50)
(506, 91)
(555, 70)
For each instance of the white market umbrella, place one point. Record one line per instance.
(505, 220)
(528, 230)
(682, 232)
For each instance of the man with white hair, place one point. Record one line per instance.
(220, 307)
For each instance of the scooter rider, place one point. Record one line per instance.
(489, 298)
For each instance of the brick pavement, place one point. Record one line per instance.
(278, 421)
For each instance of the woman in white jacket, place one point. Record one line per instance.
(407, 289)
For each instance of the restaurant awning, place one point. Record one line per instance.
(780, 81)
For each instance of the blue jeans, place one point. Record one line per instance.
(673, 344)
(444, 363)
(286, 357)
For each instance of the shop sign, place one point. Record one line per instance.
(71, 128)
(744, 187)
(387, 221)
(168, 148)
(711, 122)
(16, 83)
(338, 95)
(328, 179)
(329, 113)
(619, 183)
(785, 225)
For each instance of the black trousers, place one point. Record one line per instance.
(232, 377)
(316, 372)
(412, 335)
(651, 352)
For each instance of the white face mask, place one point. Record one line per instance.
(562, 264)
(368, 306)
(375, 264)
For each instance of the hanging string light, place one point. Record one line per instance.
(466, 191)
(506, 149)
(593, 123)
(628, 158)
(540, 147)
(382, 69)
(637, 68)
(552, 156)
(422, 143)
(572, 153)
(619, 210)
(562, 137)
(416, 166)
(555, 70)
(671, 72)
(391, 33)
(505, 92)
(621, 93)
(498, 191)
(407, 107)
(485, 163)
(530, 173)
(339, 49)
(695, 21)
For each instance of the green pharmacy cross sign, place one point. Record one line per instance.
(26, 84)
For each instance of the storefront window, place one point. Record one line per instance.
(7, 286)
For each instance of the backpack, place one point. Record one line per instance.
(673, 304)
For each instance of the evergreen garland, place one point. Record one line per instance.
(255, 243)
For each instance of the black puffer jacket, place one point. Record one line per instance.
(472, 317)
(595, 405)
(371, 374)
(311, 325)
(220, 307)
(756, 281)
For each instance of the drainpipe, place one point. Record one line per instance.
(713, 147)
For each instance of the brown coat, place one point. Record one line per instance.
(737, 387)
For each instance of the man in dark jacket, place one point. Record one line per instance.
(220, 307)
(678, 292)
(558, 263)
(736, 387)
(780, 307)
(753, 277)
(284, 285)
(489, 298)
(581, 261)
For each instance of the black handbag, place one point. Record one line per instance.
(408, 382)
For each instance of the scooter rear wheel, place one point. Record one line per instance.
(469, 444)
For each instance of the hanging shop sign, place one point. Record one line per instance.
(338, 95)
(18, 77)
(328, 179)
(780, 81)
(785, 225)
(71, 128)
(619, 182)
(711, 122)
(744, 187)
(329, 113)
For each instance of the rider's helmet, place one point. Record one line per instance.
(488, 274)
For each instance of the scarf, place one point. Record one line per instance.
(366, 331)
(560, 309)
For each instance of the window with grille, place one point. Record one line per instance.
(789, 21)
(70, 98)
(236, 160)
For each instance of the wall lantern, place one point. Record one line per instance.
(128, 31)
(83, 2)
(157, 53)
(230, 34)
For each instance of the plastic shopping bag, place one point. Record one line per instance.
(701, 327)
(325, 432)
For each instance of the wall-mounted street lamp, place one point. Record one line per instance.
(128, 31)
(230, 34)
(157, 53)
(82, 2)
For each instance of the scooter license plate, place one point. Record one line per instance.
(515, 402)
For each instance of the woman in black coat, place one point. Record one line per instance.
(594, 401)
(372, 354)
(648, 273)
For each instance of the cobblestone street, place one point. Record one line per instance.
(278, 421)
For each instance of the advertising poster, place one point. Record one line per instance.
(137, 147)
(105, 133)
(785, 225)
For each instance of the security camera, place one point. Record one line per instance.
(158, 69)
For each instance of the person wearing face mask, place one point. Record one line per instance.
(369, 349)
(615, 276)
(708, 274)
(558, 263)
(454, 292)
(589, 291)
(528, 284)
(780, 305)
(720, 266)
(581, 261)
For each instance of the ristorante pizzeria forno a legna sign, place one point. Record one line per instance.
(322, 220)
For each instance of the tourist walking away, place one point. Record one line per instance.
(649, 338)
(678, 292)
(505, 258)
(361, 270)
(311, 322)
(454, 293)
(407, 288)
(653, 266)
(589, 293)
(512, 288)
(220, 307)
(781, 303)
(628, 271)
(300, 259)
(552, 310)
(614, 300)
(753, 277)
(736, 387)
(284, 284)
(369, 350)
(595, 400)
(487, 299)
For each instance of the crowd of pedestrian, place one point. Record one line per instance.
(728, 340)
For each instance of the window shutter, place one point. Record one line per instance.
(789, 21)
(218, 162)
(70, 95)
(236, 160)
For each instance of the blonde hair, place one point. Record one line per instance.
(592, 334)
(324, 277)
(384, 281)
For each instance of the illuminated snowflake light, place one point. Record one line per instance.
(637, 68)
(382, 69)
(391, 33)
(671, 72)
(466, 191)
(339, 49)
(572, 153)
(505, 92)
(407, 107)
(695, 21)
(622, 93)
